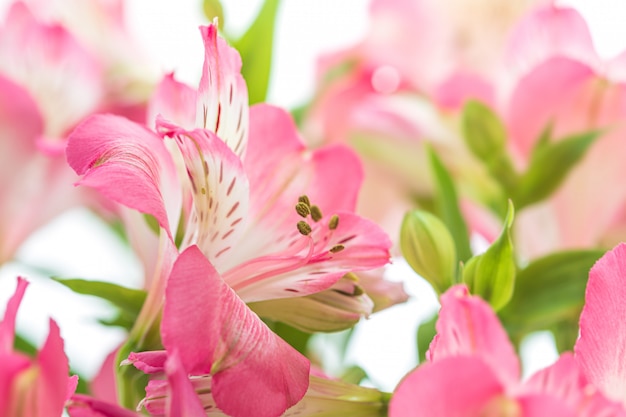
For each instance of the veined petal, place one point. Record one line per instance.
(220, 194)
(7, 325)
(468, 326)
(254, 371)
(128, 164)
(600, 348)
(222, 105)
(341, 243)
(460, 386)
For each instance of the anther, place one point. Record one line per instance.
(334, 222)
(316, 213)
(337, 248)
(304, 199)
(302, 209)
(304, 228)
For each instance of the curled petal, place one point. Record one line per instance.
(254, 371)
(128, 164)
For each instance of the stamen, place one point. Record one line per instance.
(304, 199)
(316, 213)
(337, 248)
(304, 228)
(334, 222)
(303, 209)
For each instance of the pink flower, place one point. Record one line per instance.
(32, 387)
(472, 370)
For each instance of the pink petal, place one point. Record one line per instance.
(462, 86)
(65, 78)
(468, 326)
(7, 325)
(600, 348)
(452, 387)
(151, 362)
(183, 400)
(541, 405)
(103, 386)
(53, 378)
(355, 244)
(84, 406)
(549, 32)
(254, 371)
(222, 105)
(541, 97)
(11, 365)
(220, 194)
(173, 101)
(128, 164)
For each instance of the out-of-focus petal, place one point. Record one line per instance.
(7, 325)
(174, 102)
(82, 405)
(183, 400)
(600, 348)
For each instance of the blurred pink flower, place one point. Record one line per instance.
(32, 387)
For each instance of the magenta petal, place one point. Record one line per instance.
(183, 400)
(7, 325)
(128, 164)
(84, 406)
(254, 371)
(150, 362)
(600, 348)
(452, 387)
(468, 326)
(222, 105)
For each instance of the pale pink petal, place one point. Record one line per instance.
(128, 164)
(175, 102)
(53, 377)
(65, 78)
(463, 86)
(222, 105)
(452, 387)
(600, 348)
(542, 405)
(183, 400)
(7, 325)
(541, 97)
(82, 405)
(103, 386)
(220, 194)
(549, 32)
(355, 244)
(254, 371)
(468, 326)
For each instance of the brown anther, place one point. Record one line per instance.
(302, 209)
(304, 228)
(334, 222)
(304, 199)
(358, 291)
(316, 213)
(337, 248)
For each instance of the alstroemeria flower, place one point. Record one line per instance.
(472, 370)
(238, 195)
(32, 387)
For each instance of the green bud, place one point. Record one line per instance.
(491, 275)
(428, 247)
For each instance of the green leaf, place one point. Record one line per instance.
(256, 47)
(549, 291)
(213, 9)
(447, 206)
(429, 249)
(549, 166)
(486, 137)
(491, 275)
(128, 300)
(425, 334)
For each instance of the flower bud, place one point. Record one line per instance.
(428, 247)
